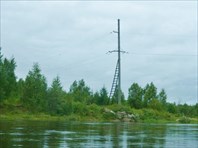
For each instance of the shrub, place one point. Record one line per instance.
(184, 119)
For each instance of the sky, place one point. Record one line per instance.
(70, 39)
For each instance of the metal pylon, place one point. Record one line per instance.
(115, 81)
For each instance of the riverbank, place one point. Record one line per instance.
(45, 117)
(95, 113)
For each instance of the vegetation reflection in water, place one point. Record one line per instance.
(78, 134)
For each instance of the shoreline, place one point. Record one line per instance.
(73, 117)
(95, 113)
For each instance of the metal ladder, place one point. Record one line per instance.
(115, 81)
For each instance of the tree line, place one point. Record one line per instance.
(35, 95)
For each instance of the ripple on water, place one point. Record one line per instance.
(16, 134)
(59, 132)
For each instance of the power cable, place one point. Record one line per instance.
(154, 54)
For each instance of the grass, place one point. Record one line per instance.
(14, 111)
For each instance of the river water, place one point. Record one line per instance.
(46, 134)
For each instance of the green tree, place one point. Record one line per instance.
(150, 92)
(172, 108)
(20, 87)
(162, 97)
(96, 97)
(2, 78)
(7, 78)
(185, 109)
(80, 91)
(195, 110)
(2, 93)
(135, 96)
(35, 90)
(155, 104)
(66, 104)
(103, 98)
(0, 55)
(55, 95)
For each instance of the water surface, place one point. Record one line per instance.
(84, 134)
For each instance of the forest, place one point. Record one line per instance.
(33, 95)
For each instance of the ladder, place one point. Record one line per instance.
(115, 81)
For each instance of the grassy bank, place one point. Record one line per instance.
(93, 113)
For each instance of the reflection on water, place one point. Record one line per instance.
(77, 134)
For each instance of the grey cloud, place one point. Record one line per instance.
(70, 39)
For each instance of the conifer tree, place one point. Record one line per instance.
(55, 96)
(135, 96)
(7, 77)
(35, 90)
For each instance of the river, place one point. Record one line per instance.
(46, 134)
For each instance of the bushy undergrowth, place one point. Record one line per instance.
(77, 111)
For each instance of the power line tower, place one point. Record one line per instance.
(116, 85)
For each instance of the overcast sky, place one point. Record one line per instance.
(71, 39)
